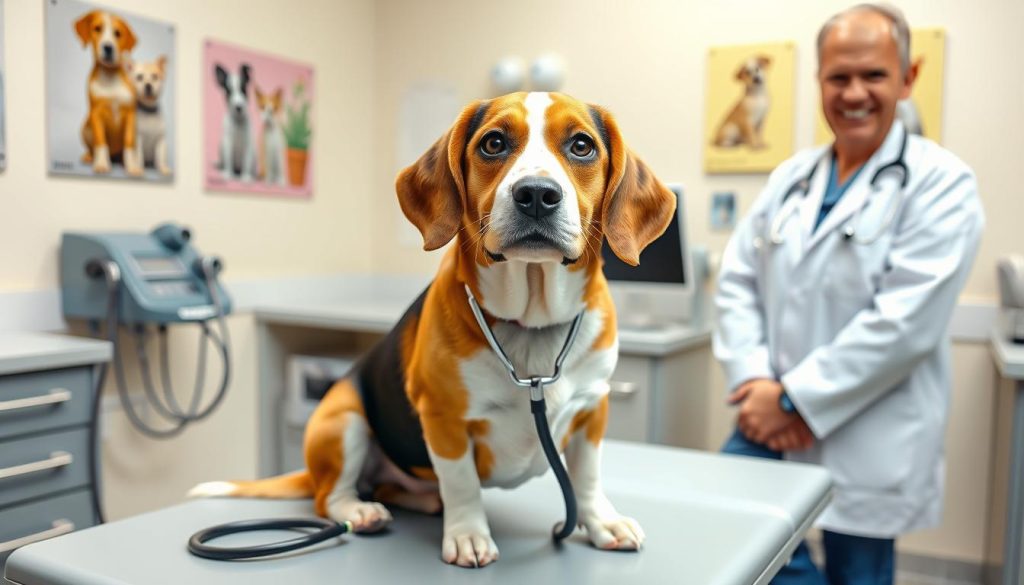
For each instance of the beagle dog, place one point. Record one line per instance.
(109, 129)
(745, 122)
(528, 185)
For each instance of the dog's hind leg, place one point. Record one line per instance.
(87, 140)
(336, 445)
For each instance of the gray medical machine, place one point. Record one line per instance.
(142, 281)
(1011, 297)
(161, 272)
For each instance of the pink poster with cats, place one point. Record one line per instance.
(258, 122)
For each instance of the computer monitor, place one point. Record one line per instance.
(660, 290)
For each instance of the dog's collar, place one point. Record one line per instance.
(148, 109)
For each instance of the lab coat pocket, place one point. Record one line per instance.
(854, 272)
(877, 451)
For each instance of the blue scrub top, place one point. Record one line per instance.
(834, 191)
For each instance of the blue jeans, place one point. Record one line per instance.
(849, 560)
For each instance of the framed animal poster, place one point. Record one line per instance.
(749, 110)
(922, 112)
(257, 122)
(110, 88)
(3, 101)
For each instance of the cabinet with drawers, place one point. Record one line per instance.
(659, 390)
(46, 387)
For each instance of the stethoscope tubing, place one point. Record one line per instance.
(802, 188)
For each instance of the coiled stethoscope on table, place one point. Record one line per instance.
(790, 202)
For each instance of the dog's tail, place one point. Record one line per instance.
(292, 485)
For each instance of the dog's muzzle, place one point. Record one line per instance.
(107, 53)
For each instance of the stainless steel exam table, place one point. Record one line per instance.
(710, 519)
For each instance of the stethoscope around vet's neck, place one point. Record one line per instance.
(538, 407)
(790, 202)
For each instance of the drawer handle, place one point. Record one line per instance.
(61, 526)
(55, 396)
(57, 459)
(622, 390)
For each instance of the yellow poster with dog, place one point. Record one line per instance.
(748, 126)
(922, 113)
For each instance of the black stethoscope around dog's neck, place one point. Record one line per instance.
(538, 407)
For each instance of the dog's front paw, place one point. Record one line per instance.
(101, 160)
(132, 165)
(468, 548)
(364, 516)
(613, 532)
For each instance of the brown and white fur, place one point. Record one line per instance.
(745, 122)
(271, 162)
(529, 184)
(151, 144)
(109, 129)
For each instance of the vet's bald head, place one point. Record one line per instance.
(869, 22)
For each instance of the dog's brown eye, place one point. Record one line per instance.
(582, 146)
(138, 77)
(493, 144)
(98, 28)
(117, 33)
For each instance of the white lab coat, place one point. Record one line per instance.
(856, 333)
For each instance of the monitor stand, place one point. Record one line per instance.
(637, 313)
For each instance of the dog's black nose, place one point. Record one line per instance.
(108, 52)
(238, 110)
(537, 197)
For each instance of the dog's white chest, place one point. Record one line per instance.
(757, 106)
(113, 91)
(512, 436)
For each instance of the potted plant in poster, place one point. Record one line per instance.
(296, 135)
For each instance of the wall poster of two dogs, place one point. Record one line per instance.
(258, 112)
(749, 111)
(110, 90)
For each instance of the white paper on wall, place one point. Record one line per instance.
(426, 112)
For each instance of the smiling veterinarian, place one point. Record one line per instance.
(833, 300)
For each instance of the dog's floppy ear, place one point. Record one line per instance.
(763, 61)
(127, 39)
(432, 191)
(222, 76)
(245, 72)
(161, 63)
(636, 208)
(83, 26)
(741, 71)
